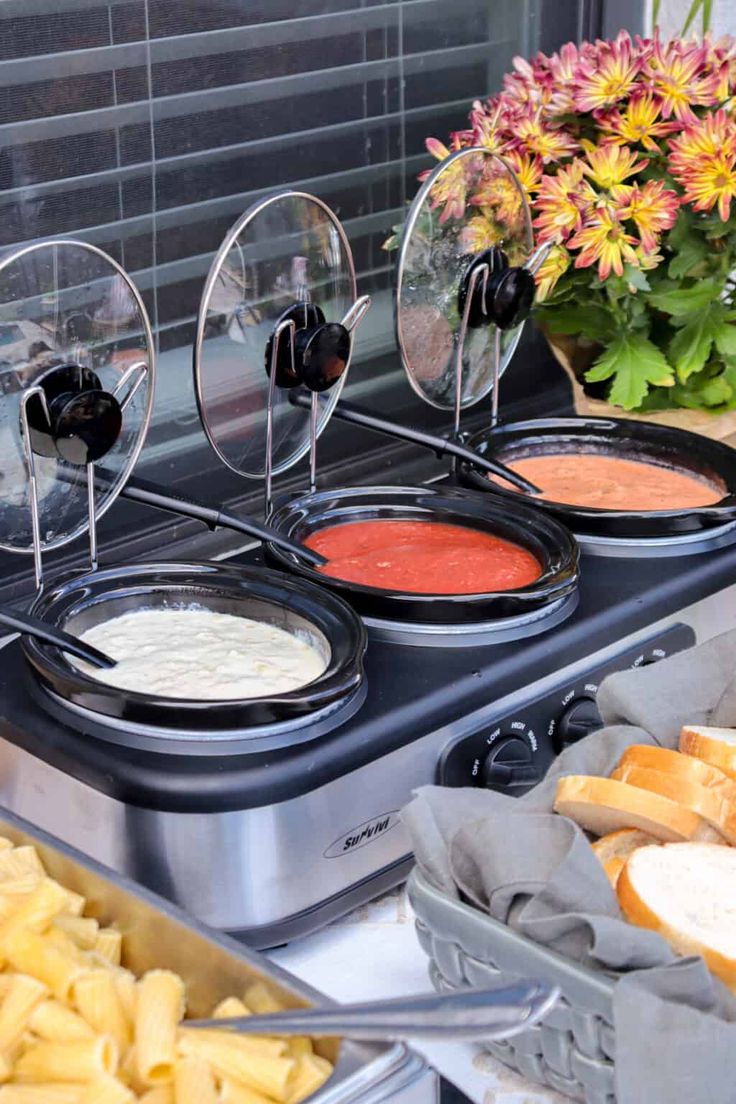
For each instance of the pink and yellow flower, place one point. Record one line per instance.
(610, 164)
(605, 79)
(528, 170)
(554, 265)
(638, 123)
(676, 74)
(604, 240)
(651, 206)
(550, 143)
(703, 161)
(561, 203)
(450, 191)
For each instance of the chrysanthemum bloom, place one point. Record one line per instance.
(714, 134)
(605, 79)
(703, 161)
(561, 203)
(551, 143)
(638, 123)
(604, 240)
(651, 206)
(480, 232)
(609, 164)
(554, 265)
(528, 170)
(675, 73)
(450, 191)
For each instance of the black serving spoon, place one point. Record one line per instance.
(41, 630)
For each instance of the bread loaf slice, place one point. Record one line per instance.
(602, 805)
(716, 746)
(614, 849)
(677, 763)
(708, 804)
(687, 893)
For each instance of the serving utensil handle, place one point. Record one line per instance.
(150, 494)
(49, 634)
(346, 412)
(469, 1014)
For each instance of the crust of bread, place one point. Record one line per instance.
(708, 804)
(613, 869)
(680, 764)
(621, 843)
(635, 908)
(614, 849)
(602, 805)
(703, 743)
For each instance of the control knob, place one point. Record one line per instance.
(580, 718)
(509, 766)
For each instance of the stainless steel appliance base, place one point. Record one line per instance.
(275, 844)
(689, 544)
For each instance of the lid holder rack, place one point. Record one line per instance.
(304, 349)
(67, 416)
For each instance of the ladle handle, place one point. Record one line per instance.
(469, 1014)
(346, 412)
(150, 494)
(34, 626)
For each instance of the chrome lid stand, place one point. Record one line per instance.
(465, 282)
(76, 385)
(302, 274)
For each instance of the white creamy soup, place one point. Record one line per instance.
(200, 655)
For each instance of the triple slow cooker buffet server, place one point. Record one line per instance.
(272, 817)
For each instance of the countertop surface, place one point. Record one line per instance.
(374, 953)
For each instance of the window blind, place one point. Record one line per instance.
(148, 126)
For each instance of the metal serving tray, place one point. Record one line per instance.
(213, 966)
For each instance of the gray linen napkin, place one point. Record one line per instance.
(516, 859)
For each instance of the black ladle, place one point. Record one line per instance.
(41, 630)
(150, 494)
(346, 412)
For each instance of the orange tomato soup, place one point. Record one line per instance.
(610, 483)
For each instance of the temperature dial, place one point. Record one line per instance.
(509, 766)
(580, 718)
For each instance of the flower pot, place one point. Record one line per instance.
(576, 354)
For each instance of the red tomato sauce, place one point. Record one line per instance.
(610, 483)
(423, 557)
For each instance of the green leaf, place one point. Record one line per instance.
(725, 337)
(636, 278)
(689, 255)
(685, 300)
(690, 17)
(635, 364)
(589, 320)
(691, 346)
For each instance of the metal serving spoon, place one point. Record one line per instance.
(41, 630)
(470, 1014)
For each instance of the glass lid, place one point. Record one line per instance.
(286, 259)
(469, 204)
(76, 385)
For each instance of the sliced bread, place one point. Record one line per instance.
(687, 893)
(684, 766)
(602, 805)
(716, 746)
(708, 804)
(614, 849)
